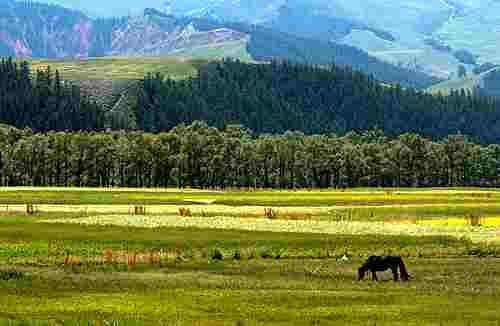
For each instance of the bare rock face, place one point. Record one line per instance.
(44, 31)
(148, 35)
(36, 30)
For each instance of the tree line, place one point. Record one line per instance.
(42, 101)
(281, 96)
(197, 155)
(266, 98)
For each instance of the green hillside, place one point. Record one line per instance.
(446, 87)
(112, 82)
(234, 49)
(119, 68)
(468, 83)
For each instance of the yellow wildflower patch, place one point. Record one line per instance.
(486, 221)
(284, 226)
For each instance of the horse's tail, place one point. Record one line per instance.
(404, 274)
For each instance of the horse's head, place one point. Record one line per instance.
(361, 273)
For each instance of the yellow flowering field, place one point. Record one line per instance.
(485, 221)
(196, 209)
(475, 234)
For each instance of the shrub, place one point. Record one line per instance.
(474, 220)
(108, 255)
(266, 254)
(71, 261)
(249, 253)
(30, 209)
(131, 262)
(140, 210)
(343, 216)
(270, 213)
(216, 254)
(482, 252)
(153, 259)
(314, 253)
(11, 275)
(299, 216)
(184, 212)
(179, 249)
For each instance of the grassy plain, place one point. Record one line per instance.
(75, 262)
(467, 83)
(119, 68)
(233, 49)
(444, 88)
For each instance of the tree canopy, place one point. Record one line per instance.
(197, 155)
(43, 101)
(281, 96)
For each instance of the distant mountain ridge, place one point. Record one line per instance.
(429, 36)
(34, 30)
(47, 31)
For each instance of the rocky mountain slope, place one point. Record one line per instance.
(427, 35)
(34, 30)
(403, 32)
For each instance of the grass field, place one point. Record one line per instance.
(86, 257)
(467, 83)
(118, 68)
(233, 49)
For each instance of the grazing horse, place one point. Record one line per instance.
(383, 263)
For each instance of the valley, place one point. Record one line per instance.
(235, 162)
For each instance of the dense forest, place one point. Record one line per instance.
(281, 96)
(267, 44)
(266, 98)
(197, 155)
(42, 101)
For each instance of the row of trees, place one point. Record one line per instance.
(201, 156)
(276, 97)
(43, 102)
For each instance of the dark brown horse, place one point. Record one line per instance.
(382, 263)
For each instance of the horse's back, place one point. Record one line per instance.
(381, 263)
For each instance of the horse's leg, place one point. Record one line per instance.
(374, 276)
(395, 273)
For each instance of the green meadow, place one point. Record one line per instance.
(89, 257)
(119, 68)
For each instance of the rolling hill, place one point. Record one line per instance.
(118, 68)
(112, 82)
(485, 83)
